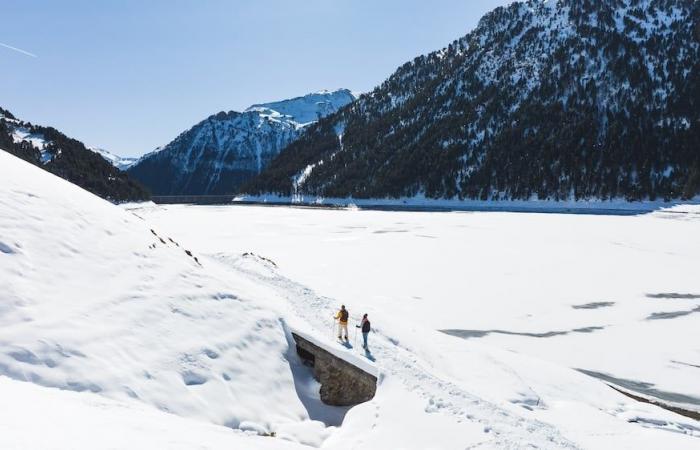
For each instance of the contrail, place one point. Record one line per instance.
(24, 52)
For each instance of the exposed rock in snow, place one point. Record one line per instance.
(342, 382)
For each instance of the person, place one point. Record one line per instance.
(365, 330)
(342, 317)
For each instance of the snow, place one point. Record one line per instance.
(20, 133)
(35, 417)
(300, 179)
(120, 162)
(307, 109)
(339, 351)
(104, 304)
(152, 348)
(587, 284)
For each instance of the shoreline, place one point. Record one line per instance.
(616, 207)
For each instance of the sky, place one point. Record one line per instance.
(129, 76)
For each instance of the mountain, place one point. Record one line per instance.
(68, 158)
(120, 162)
(568, 99)
(221, 152)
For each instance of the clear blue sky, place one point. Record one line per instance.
(131, 75)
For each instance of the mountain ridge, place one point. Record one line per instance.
(70, 159)
(548, 100)
(226, 149)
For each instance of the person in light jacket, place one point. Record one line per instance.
(342, 317)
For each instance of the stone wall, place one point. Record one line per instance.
(342, 383)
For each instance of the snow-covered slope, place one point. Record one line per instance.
(24, 134)
(120, 162)
(35, 417)
(226, 149)
(95, 300)
(612, 295)
(302, 111)
(539, 301)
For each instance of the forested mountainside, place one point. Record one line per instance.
(568, 99)
(221, 152)
(68, 158)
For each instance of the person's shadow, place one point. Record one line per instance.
(368, 355)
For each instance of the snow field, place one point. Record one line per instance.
(108, 303)
(561, 291)
(52, 419)
(621, 291)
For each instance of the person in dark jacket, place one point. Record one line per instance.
(365, 330)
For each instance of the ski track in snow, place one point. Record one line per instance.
(509, 430)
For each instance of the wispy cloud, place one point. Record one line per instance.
(24, 52)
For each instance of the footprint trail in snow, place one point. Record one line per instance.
(507, 429)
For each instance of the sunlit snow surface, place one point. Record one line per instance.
(35, 417)
(154, 349)
(306, 109)
(617, 296)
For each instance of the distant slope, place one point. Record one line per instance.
(68, 158)
(568, 99)
(223, 151)
(120, 162)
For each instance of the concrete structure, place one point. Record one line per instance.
(342, 383)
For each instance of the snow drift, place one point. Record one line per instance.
(95, 300)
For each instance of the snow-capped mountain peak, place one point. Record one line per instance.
(308, 108)
(120, 162)
(226, 149)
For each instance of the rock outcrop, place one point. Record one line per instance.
(342, 383)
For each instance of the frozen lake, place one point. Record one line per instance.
(607, 294)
